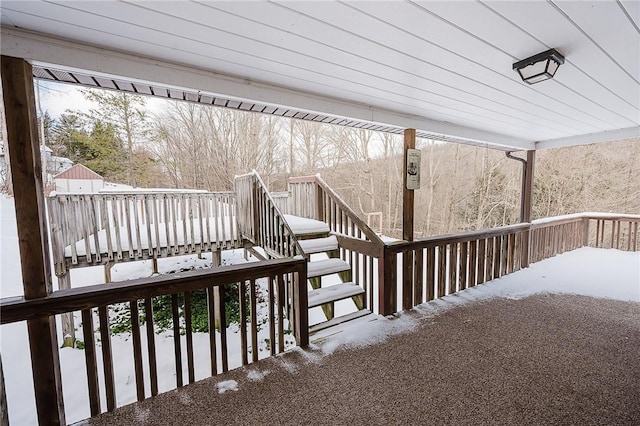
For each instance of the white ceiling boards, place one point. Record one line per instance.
(444, 68)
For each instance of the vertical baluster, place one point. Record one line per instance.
(281, 299)
(418, 287)
(497, 256)
(442, 269)
(254, 320)
(272, 325)
(368, 282)
(242, 293)
(151, 346)
(490, 258)
(116, 226)
(188, 325)
(472, 263)
(107, 359)
(137, 349)
(223, 327)
(213, 354)
(512, 254)
(462, 264)
(431, 270)
(453, 267)
(481, 261)
(504, 258)
(177, 349)
(90, 359)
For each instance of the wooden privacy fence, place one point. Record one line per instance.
(94, 229)
(286, 298)
(260, 220)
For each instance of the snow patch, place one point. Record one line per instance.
(142, 414)
(227, 385)
(257, 375)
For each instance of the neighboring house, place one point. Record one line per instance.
(58, 164)
(78, 179)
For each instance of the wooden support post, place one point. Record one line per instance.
(301, 310)
(407, 194)
(4, 409)
(527, 197)
(407, 225)
(26, 171)
(387, 283)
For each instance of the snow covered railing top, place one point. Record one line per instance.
(555, 235)
(312, 198)
(584, 215)
(93, 229)
(261, 221)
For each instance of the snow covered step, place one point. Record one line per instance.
(302, 227)
(339, 320)
(319, 245)
(335, 292)
(319, 268)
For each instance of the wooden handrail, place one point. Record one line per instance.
(15, 309)
(286, 287)
(370, 234)
(398, 246)
(272, 204)
(261, 220)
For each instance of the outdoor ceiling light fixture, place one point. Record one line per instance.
(540, 67)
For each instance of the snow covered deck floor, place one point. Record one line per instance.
(519, 350)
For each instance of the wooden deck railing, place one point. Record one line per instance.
(437, 266)
(360, 246)
(261, 221)
(556, 235)
(94, 229)
(285, 302)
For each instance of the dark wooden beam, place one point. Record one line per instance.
(407, 224)
(26, 172)
(527, 200)
(527, 194)
(407, 194)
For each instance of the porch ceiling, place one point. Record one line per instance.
(444, 68)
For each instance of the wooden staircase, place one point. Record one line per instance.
(329, 276)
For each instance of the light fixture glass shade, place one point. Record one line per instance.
(540, 67)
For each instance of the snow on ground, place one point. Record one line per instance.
(14, 345)
(227, 385)
(600, 273)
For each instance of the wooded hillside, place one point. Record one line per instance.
(463, 187)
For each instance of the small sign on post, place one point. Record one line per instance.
(413, 169)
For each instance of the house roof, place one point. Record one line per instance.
(78, 171)
(443, 68)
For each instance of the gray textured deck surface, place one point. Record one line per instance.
(545, 359)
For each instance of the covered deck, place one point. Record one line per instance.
(436, 70)
(552, 344)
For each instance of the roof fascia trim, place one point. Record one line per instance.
(40, 49)
(606, 136)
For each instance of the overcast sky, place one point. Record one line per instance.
(56, 98)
